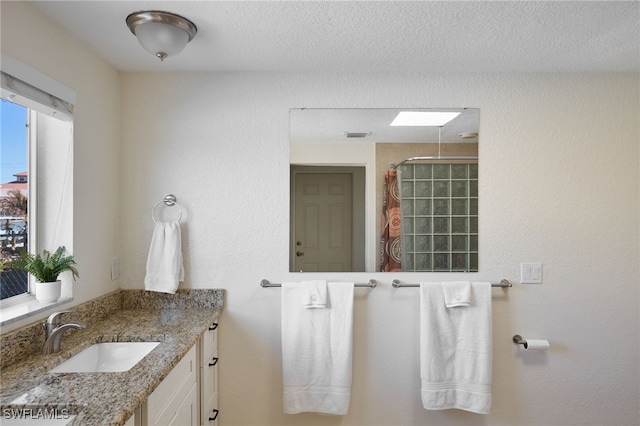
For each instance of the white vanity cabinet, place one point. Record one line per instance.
(175, 400)
(188, 396)
(209, 377)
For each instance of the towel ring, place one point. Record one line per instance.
(168, 200)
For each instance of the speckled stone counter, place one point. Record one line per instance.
(110, 398)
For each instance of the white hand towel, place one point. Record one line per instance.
(456, 350)
(164, 263)
(317, 351)
(314, 294)
(457, 293)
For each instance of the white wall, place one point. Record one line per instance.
(558, 185)
(34, 40)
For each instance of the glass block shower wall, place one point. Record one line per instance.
(439, 205)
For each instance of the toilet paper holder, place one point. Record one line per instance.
(535, 344)
(518, 340)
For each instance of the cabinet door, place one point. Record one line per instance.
(187, 412)
(162, 405)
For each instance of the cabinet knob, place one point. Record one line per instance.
(213, 326)
(214, 413)
(213, 362)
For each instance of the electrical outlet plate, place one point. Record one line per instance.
(115, 268)
(531, 273)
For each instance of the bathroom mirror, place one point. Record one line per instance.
(338, 162)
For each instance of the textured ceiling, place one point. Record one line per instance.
(379, 36)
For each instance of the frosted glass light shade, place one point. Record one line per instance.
(163, 34)
(160, 39)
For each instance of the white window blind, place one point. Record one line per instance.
(29, 87)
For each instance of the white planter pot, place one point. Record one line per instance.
(48, 292)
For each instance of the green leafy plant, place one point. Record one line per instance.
(46, 267)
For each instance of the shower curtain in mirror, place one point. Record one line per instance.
(390, 243)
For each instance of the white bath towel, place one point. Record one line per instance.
(164, 263)
(314, 294)
(317, 351)
(456, 350)
(457, 293)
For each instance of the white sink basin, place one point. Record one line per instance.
(106, 357)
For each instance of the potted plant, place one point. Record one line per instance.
(46, 268)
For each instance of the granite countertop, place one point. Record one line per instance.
(105, 398)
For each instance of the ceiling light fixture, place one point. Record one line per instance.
(423, 118)
(163, 34)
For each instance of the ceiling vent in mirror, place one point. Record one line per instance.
(357, 134)
(468, 135)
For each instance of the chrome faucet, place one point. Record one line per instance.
(54, 329)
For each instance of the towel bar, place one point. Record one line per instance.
(168, 200)
(372, 283)
(398, 284)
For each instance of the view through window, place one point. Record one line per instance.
(14, 192)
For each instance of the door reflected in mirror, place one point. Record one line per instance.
(339, 218)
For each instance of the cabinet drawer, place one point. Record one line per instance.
(210, 409)
(165, 400)
(209, 341)
(210, 417)
(210, 377)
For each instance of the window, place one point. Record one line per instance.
(14, 196)
(36, 179)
